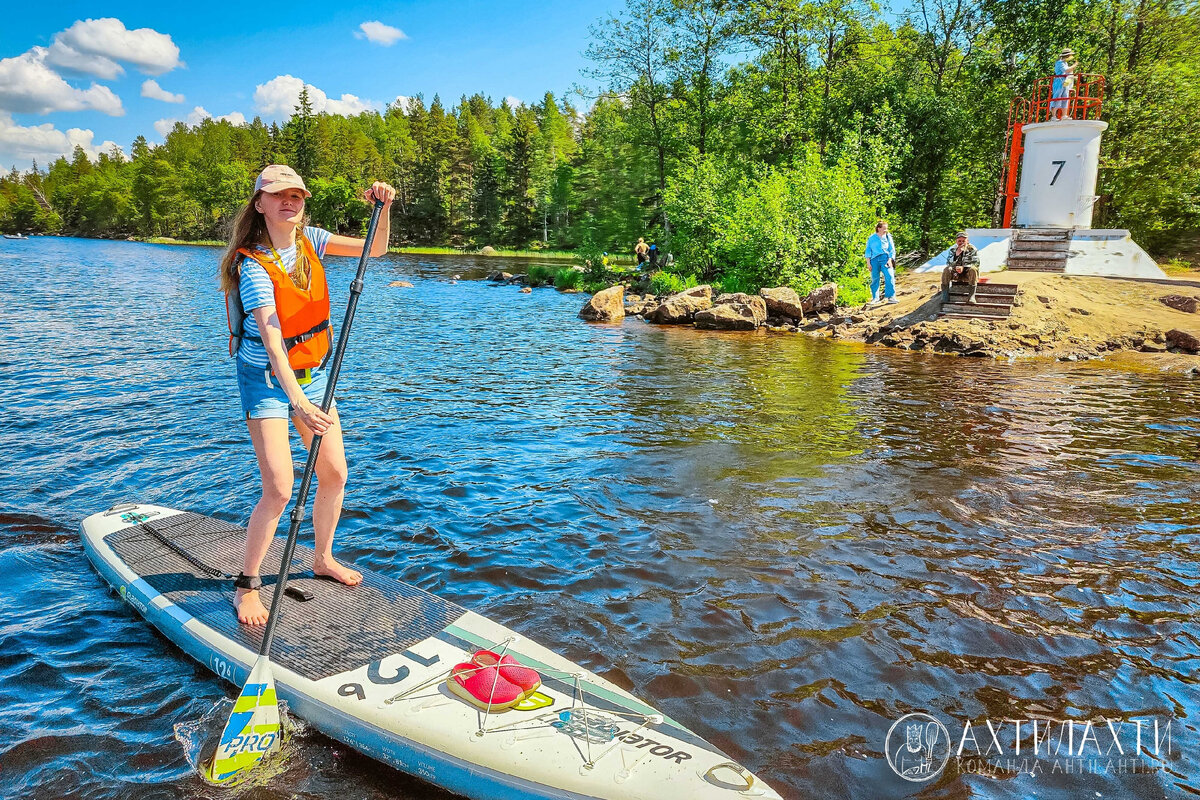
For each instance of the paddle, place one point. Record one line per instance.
(253, 730)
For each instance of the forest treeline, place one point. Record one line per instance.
(758, 141)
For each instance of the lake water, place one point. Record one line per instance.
(786, 544)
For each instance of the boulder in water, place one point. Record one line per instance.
(607, 305)
(783, 301)
(731, 316)
(681, 308)
(756, 304)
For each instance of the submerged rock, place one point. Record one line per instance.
(401, 284)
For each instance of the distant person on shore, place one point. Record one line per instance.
(1064, 84)
(653, 256)
(277, 301)
(642, 251)
(962, 266)
(881, 256)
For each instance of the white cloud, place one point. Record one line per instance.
(68, 60)
(20, 145)
(198, 115)
(28, 85)
(151, 89)
(94, 46)
(375, 31)
(278, 98)
(513, 102)
(403, 103)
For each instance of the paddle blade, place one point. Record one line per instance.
(253, 729)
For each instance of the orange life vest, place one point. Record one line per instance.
(303, 313)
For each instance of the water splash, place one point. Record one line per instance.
(199, 739)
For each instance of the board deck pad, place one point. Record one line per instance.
(340, 629)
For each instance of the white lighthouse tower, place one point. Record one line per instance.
(1059, 169)
(1053, 145)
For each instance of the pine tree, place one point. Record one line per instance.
(303, 144)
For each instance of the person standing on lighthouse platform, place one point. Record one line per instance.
(1064, 84)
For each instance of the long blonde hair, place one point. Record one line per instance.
(248, 230)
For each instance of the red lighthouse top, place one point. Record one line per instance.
(1078, 96)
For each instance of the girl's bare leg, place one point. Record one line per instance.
(327, 508)
(274, 454)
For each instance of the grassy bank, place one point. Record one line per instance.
(565, 255)
(169, 240)
(554, 255)
(551, 255)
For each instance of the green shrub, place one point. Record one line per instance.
(735, 281)
(568, 278)
(670, 283)
(589, 255)
(539, 274)
(800, 225)
(854, 290)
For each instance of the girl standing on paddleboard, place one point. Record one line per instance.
(277, 302)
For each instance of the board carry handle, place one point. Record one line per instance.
(736, 769)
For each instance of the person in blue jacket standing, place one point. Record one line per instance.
(881, 255)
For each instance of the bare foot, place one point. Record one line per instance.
(250, 609)
(329, 567)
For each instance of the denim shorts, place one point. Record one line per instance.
(263, 397)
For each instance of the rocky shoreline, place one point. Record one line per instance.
(1067, 318)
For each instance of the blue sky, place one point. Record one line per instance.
(77, 74)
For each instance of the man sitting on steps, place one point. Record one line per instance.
(962, 266)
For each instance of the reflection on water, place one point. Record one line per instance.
(786, 544)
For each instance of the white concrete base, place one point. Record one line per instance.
(1105, 253)
(1110, 253)
(992, 244)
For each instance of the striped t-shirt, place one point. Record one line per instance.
(258, 291)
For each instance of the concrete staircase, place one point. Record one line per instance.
(995, 301)
(1039, 249)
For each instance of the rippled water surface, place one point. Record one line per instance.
(786, 544)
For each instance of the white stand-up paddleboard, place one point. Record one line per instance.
(367, 665)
